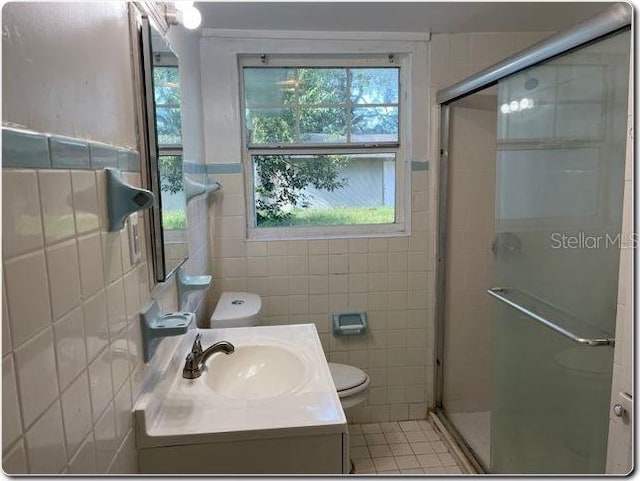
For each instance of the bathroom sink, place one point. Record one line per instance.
(254, 372)
(276, 381)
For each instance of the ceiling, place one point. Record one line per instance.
(434, 17)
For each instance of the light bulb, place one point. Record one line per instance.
(524, 104)
(514, 105)
(189, 17)
(504, 108)
(182, 5)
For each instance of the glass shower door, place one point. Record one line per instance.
(559, 179)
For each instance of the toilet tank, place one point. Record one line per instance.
(236, 309)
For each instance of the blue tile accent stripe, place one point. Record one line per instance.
(103, 156)
(193, 168)
(419, 165)
(32, 150)
(69, 153)
(25, 150)
(128, 160)
(224, 168)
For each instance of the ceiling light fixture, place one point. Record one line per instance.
(185, 13)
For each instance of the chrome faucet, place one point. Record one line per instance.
(197, 358)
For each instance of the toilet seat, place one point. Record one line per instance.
(351, 383)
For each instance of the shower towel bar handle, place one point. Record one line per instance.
(500, 294)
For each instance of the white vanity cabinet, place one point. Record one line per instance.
(297, 454)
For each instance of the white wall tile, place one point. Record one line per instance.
(70, 346)
(95, 325)
(100, 383)
(57, 205)
(76, 412)
(11, 418)
(84, 461)
(85, 201)
(21, 217)
(91, 269)
(131, 294)
(105, 437)
(123, 411)
(6, 330)
(29, 314)
(116, 308)
(120, 360)
(111, 256)
(37, 376)
(45, 443)
(15, 460)
(64, 277)
(126, 460)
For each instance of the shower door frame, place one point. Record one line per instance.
(617, 18)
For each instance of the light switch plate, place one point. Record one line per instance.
(134, 238)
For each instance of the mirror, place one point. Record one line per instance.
(164, 146)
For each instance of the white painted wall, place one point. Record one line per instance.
(59, 77)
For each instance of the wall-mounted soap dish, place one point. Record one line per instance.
(188, 284)
(156, 325)
(351, 323)
(124, 199)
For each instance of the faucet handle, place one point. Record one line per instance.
(197, 346)
(191, 368)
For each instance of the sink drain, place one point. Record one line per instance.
(237, 302)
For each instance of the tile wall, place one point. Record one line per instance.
(71, 297)
(305, 281)
(72, 354)
(71, 343)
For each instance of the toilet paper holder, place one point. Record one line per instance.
(352, 323)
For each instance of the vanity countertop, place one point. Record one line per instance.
(178, 411)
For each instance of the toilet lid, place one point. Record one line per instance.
(347, 377)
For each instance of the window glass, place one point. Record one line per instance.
(326, 189)
(323, 145)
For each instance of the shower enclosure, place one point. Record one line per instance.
(532, 173)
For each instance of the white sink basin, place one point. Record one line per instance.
(254, 372)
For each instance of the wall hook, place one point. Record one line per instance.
(194, 189)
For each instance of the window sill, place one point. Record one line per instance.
(329, 232)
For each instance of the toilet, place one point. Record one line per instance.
(242, 309)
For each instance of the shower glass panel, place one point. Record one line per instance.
(559, 176)
(468, 313)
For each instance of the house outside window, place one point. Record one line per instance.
(323, 145)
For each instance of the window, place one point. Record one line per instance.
(322, 146)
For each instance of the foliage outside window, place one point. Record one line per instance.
(323, 143)
(166, 82)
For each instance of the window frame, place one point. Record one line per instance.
(402, 204)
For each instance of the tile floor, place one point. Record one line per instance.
(405, 447)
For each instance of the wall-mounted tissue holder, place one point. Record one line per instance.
(349, 323)
(124, 199)
(188, 284)
(194, 189)
(156, 325)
